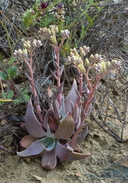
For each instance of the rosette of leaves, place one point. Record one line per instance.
(60, 133)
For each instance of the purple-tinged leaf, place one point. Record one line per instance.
(56, 109)
(62, 108)
(67, 153)
(33, 126)
(47, 119)
(34, 149)
(76, 113)
(78, 122)
(61, 70)
(49, 159)
(89, 109)
(56, 65)
(66, 128)
(36, 100)
(54, 75)
(85, 90)
(27, 141)
(80, 137)
(61, 88)
(28, 76)
(72, 96)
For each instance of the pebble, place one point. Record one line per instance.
(37, 178)
(27, 160)
(8, 142)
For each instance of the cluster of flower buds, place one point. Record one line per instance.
(21, 53)
(105, 66)
(65, 34)
(76, 59)
(95, 58)
(27, 46)
(50, 33)
(59, 14)
(84, 50)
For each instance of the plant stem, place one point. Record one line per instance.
(36, 102)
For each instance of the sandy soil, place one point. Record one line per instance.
(108, 163)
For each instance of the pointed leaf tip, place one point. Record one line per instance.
(71, 97)
(33, 126)
(65, 153)
(34, 149)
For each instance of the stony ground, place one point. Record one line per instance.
(108, 163)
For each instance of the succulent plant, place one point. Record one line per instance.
(64, 126)
(56, 136)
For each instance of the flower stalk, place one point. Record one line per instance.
(64, 125)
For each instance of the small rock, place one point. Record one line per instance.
(27, 160)
(37, 177)
(8, 142)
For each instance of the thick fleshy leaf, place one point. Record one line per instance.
(27, 141)
(56, 109)
(80, 137)
(34, 149)
(68, 154)
(72, 96)
(76, 113)
(61, 88)
(48, 143)
(62, 110)
(66, 128)
(49, 159)
(49, 119)
(33, 126)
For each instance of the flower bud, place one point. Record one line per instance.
(103, 67)
(97, 67)
(65, 33)
(74, 51)
(86, 49)
(97, 57)
(52, 31)
(25, 52)
(19, 52)
(92, 58)
(27, 45)
(36, 43)
(56, 29)
(108, 65)
(53, 40)
(115, 63)
(87, 63)
(81, 67)
(82, 52)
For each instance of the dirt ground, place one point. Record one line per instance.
(108, 163)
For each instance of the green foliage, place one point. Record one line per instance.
(10, 73)
(22, 97)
